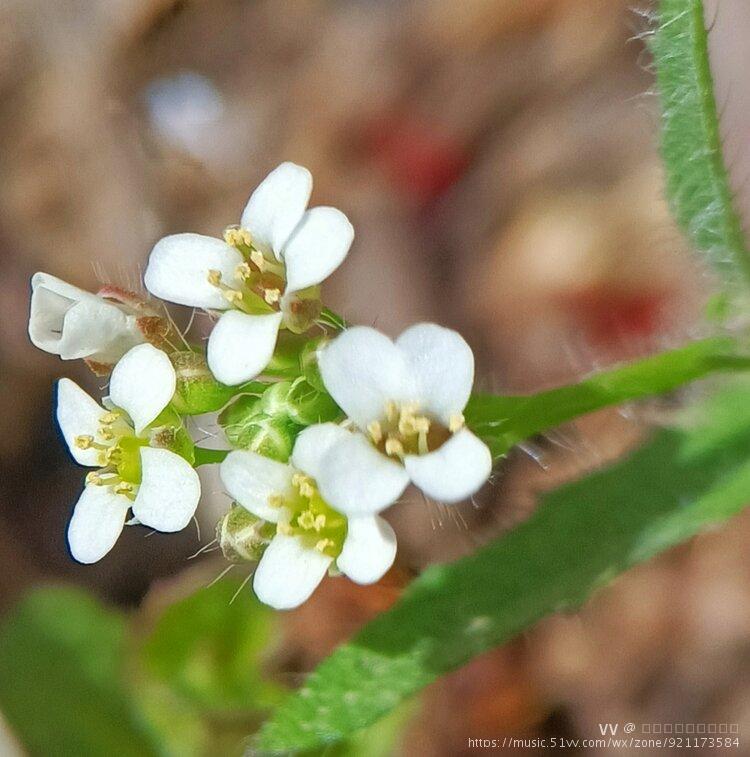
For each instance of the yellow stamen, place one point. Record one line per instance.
(106, 434)
(455, 422)
(93, 478)
(391, 411)
(306, 520)
(84, 441)
(323, 544)
(272, 296)
(284, 528)
(258, 260)
(243, 271)
(393, 447)
(109, 418)
(375, 430)
(214, 277)
(123, 488)
(320, 522)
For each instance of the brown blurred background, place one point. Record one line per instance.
(498, 160)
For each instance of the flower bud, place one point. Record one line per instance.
(197, 391)
(242, 536)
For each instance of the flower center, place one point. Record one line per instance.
(403, 430)
(118, 454)
(259, 281)
(311, 518)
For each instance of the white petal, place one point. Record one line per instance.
(362, 370)
(289, 572)
(142, 384)
(169, 490)
(454, 471)
(252, 479)
(318, 246)
(179, 265)
(78, 414)
(276, 207)
(72, 323)
(369, 549)
(442, 364)
(312, 445)
(97, 522)
(356, 479)
(242, 345)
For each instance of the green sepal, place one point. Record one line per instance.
(197, 391)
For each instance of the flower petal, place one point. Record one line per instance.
(276, 207)
(362, 370)
(369, 549)
(169, 490)
(252, 479)
(242, 345)
(78, 414)
(179, 265)
(356, 479)
(97, 522)
(289, 572)
(72, 323)
(442, 364)
(142, 384)
(312, 445)
(454, 471)
(317, 247)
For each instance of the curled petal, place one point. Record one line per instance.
(72, 323)
(442, 364)
(169, 491)
(276, 207)
(179, 265)
(143, 382)
(78, 414)
(242, 345)
(454, 471)
(97, 522)
(289, 572)
(354, 477)
(369, 549)
(362, 370)
(252, 480)
(318, 246)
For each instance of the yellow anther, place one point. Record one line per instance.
(323, 544)
(456, 422)
(243, 271)
(391, 411)
(307, 490)
(214, 277)
(232, 295)
(258, 260)
(109, 418)
(272, 296)
(123, 488)
(106, 434)
(93, 478)
(113, 454)
(375, 430)
(284, 528)
(84, 441)
(393, 447)
(306, 520)
(320, 522)
(276, 500)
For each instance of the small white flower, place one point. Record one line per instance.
(72, 323)
(160, 486)
(257, 274)
(408, 398)
(320, 512)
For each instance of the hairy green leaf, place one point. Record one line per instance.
(581, 536)
(697, 179)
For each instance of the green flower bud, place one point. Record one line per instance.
(197, 390)
(242, 536)
(307, 405)
(309, 363)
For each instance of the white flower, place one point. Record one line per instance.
(408, 397)
(322, 514)
(72, 323)
(258, 274)
(160, 487)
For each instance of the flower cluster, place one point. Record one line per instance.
(326, 425)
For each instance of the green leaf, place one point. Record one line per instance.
(581, 536)
(61, 690)
(504, 421)
(209, 649)
(697, 179)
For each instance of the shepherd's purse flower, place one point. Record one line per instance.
(264, 274)
(310, 515)
(407, 398)
(129, 447)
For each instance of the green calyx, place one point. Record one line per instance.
(197, 391)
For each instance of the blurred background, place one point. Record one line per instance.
(498, 160)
